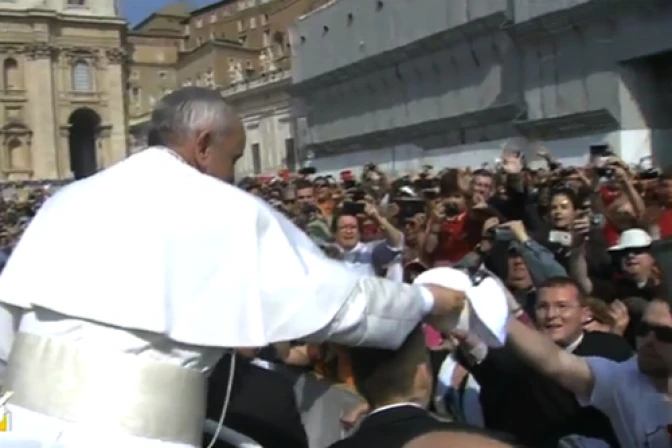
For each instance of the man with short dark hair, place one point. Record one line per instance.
(397, 384)
(305, 193)
(482, 183)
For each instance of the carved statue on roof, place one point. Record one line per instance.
(235, 72)
(267, 60)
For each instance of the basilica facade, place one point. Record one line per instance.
(62, 88)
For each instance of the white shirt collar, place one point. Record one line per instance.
(395, 405)
(571, 347)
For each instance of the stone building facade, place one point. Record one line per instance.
(238, 47)
(62, 88)
(451, 83)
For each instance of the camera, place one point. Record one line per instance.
(500, 233)
(307, 170)
(451, 209)
(353, 208)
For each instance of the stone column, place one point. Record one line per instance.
(64, 169)
(41, 109)
(103, 147)
(115, 87)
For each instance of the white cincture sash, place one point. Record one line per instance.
(137, 396)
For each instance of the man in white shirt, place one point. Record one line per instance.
(128, 286)
(634, 395)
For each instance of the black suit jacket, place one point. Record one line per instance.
(394, 427)
(262, 405)
(518, 400)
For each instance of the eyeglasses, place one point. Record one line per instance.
(634, 251)
(660, 332)
(561, 308)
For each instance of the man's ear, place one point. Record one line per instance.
(203, 143)
(586, 315)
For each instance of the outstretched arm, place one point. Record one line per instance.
(569, 370)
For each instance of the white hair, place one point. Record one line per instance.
(187, 110)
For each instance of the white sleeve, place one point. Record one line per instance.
(605, 381)
(9, 325)
(378, 313)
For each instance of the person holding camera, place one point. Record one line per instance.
(451, 231)
(372, 257)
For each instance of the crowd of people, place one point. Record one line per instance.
(133, 289)
(573, 246)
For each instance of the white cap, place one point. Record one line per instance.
(632, 239)
(487, 312)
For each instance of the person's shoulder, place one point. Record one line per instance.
(606, 345)
(343, 443)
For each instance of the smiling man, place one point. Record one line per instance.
(518, 400)
(634, 395)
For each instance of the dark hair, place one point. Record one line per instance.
(300, 184)
(482, 172)
(337, 216)
(566, 191)
(382, 374)
(564, 282)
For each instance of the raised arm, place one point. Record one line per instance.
(571, 371)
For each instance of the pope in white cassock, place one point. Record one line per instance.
(128, 286)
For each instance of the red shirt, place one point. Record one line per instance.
(665, 223)
(611, 233)
(457, 238)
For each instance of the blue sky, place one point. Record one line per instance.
(136, 10)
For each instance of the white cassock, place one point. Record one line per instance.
(128, 286)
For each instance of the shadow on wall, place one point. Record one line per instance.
(410, 158)
(647, 103)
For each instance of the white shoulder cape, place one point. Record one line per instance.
(152, 244)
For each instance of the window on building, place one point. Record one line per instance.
(242, 40)
(256, 158)
(290, 154)
(212, 35)
(199, 23)
(266, 38)
(12, 74)
(253, 23)
(264, 19)
(240, 26)
(241, 5)
(81, 77)
(135, 96)
(213, 18)
(249, 65)
(76, 2)
(199, 41)
(187, 30)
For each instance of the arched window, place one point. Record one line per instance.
(19, 158)
(81, 77)
(12, 75)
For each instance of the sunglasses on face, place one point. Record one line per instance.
(660, 332)
(635, 251)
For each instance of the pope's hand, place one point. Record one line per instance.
(446, 300)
